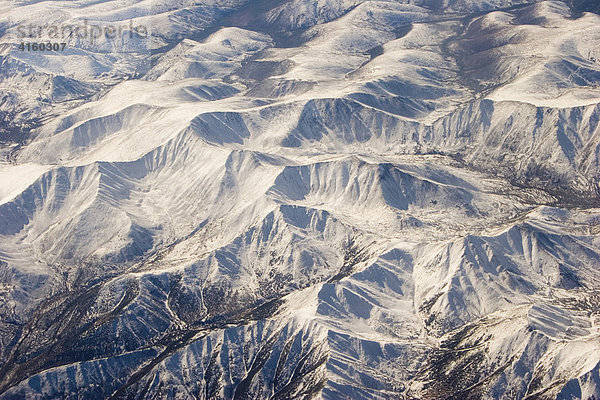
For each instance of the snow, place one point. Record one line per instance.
(394, 194)
(16, 178)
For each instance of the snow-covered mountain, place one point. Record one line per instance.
(337, 199)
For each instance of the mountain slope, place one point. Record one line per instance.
(302, 199)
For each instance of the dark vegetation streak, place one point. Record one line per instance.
(177, 339)
(300, 371)
(353, 255)
(463, 72)
(242, 391)
(67, 317)
(555, 195)
(212, 376)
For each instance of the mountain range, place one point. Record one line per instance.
(297, 199)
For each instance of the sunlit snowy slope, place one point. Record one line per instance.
(295, 199)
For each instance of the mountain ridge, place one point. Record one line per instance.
(393, 201)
